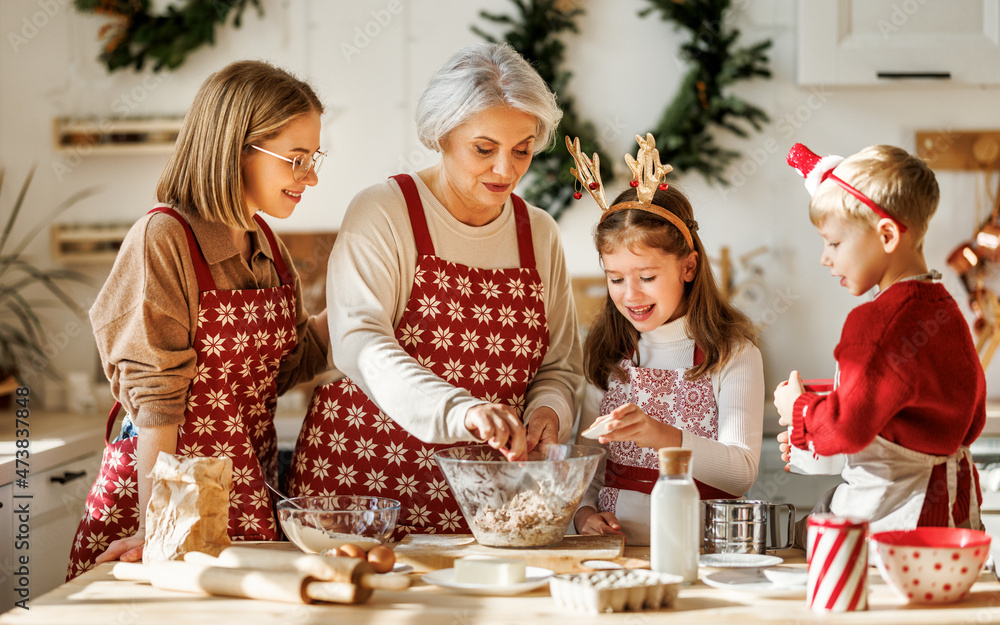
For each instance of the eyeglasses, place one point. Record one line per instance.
(300, 164)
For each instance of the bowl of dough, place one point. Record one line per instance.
(320, 523)
(527, 503)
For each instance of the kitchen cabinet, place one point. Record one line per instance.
(879, 42)
(65, 454)
(57, 507)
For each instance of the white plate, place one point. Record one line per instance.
(535, 577)
(599, 428)
(737, 560)
(752, 581)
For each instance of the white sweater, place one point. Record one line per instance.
(730, 463)
(368, 286)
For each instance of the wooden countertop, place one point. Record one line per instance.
(97, 598)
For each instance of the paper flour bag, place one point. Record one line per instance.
(188, 507)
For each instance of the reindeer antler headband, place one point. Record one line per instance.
(816, 169)
(646, 173)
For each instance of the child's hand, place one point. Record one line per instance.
(785, 447)
(628, 422)
(785, 396)
(590, 521)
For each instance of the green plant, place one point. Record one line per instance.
(137, 33)
(22, 337)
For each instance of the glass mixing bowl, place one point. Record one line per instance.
(526, 503)
(318, 523)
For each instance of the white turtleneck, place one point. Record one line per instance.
(729, 463)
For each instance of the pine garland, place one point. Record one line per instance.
(684, 132)
(533, 33)
(135, 34)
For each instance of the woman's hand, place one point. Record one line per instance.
(124, 549)
(628, 422)
(543, 427)
(499, 426)
(785, 395)
(590, 521)
(785, 447)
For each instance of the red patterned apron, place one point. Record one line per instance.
(480, 329)
(240, 339)
(667, 396)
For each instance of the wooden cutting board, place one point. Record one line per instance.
(430, 552)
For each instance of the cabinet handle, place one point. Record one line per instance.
(68, 476)
(911, 75)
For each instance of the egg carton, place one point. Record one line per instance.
(614, 591)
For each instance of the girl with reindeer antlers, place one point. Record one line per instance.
(670, 363)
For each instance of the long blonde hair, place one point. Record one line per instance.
(718, 328)
(245, 102)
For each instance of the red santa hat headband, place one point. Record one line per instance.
(816, 169)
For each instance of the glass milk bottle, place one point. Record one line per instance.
(675, 532)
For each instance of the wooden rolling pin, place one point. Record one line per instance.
(328, 568)
(285, 586)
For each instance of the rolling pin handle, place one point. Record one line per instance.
(132, 571)
(385, 582)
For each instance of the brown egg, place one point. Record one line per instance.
(352, 551)
(382, 558)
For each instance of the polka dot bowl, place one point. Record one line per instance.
(931, 564)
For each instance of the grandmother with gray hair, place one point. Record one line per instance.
(450, 307)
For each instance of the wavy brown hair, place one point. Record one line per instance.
(717, 327)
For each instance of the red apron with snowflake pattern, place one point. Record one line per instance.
(667, 396)
(480, 329)
(240, 340)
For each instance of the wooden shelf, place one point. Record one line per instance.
(969, 150)
(87, 243)
(150, 135)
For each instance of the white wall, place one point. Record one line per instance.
(625, 73)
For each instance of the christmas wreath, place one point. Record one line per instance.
(533, 33)
(135, 34)
(684, 133)
(702, 104)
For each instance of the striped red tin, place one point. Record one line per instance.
(837, 556)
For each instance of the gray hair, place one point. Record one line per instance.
(480, 77)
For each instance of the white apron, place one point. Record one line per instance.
(887, 484)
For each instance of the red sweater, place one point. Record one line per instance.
(909, 372)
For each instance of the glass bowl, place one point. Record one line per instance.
(318, 523)
(526, 503)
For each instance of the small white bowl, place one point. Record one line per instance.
(786, 576)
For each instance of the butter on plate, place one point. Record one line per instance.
(489, 570)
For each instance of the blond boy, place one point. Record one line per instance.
(910, 395)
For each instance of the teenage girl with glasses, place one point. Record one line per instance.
(201, 323)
